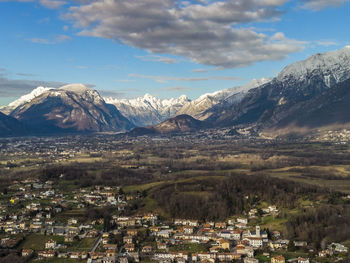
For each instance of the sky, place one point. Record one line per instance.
(166, 48)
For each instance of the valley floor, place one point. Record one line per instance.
(111, 198)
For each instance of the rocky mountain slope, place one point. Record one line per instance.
(71, 108)
(206, 105)
(329, 109)
(298, 83)
(148, 110)
(179, 124)
(11, 127)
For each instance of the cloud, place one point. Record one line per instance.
(25, 75)
(317, 5)
(111, 93)
(125, 80)
(81, 67)
(16, 87)
(206, 32)
(176, 88)
(51, 4)
(326, 43)
(164, 79)
(154, 58)
(46, 41)
(200, 70)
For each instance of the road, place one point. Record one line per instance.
(97, 242)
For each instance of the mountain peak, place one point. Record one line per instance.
(333, 64)
(76, 88)
(28, 97)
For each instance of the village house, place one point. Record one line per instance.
(220, 225)
(242, 220)
(338, 248)
(186, 222)
(300, 243)
(69, 238)
(278, 259)
(96, 255)
(129, 247)
(113, 247)
(250, 260)
(161, 246)
(224, 244)
(237, 234)
(188, 230)
(50, 244)
(131, 232)
(127, 239)
(46, 254)
(74, 255)
(227, 257)
(27, 252)
(147, 249)
(325, 253)
(303, 260)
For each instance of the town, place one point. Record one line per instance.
(37, 220)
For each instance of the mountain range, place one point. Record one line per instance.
(71, 108)
(305, 95)
(298, 83)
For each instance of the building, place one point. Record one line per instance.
(303, 260)
(27, 252)
(250, 260)
(278, 259)
(50, 244)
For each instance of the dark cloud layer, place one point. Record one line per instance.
(16, 87)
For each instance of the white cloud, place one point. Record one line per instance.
(46, 41)
(317, 5)
(326, 43)
(51, 4)
(209, 32)
(164, 79)
(154, 58)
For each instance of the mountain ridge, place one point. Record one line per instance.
(71, 108)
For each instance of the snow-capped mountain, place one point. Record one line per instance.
(24, 99)
(297, 84)
(148, 110)
(200, 108)
(333, 66)
(305, 86)
(71, 108)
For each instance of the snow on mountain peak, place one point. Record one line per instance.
(30, 96)
(148, 109)
(77, 88)
(335, 64)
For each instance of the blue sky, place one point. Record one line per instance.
(162, 47)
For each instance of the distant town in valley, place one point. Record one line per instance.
(186, 198)
(174, 131)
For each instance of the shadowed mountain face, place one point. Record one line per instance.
(71, 108)
(293, 88)
(178, 124)
(11, 127)
(330, 108)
